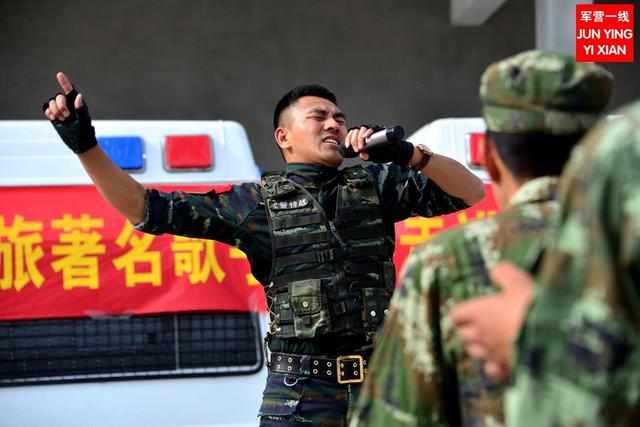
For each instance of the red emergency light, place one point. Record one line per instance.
(188, 152)
(475, 144)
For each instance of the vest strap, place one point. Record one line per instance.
(357, 251)
(330, 255)
(324, 271)
(298, 220)
(362, 268)
(362, 232)
(353, 214)
(345, 306)
(314, 273)
(361, 284)
(305, 239)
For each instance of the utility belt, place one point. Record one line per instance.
(342, 369)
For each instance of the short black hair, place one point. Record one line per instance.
(533, 155)
(298, 92)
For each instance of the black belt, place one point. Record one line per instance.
(342, 369)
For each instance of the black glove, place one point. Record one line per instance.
(374, 128)
(76, 130)
(399, 152)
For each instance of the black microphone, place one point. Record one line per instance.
(378, 139)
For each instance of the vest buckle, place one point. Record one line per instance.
(326, 256)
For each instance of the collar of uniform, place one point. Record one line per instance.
(537, 190)
(310, 172)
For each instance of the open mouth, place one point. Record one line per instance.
(331, 140)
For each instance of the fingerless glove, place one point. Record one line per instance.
(76, 130)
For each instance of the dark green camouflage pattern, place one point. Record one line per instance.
(546, 92)
(579, 352)
(307, 402)
(419, 374)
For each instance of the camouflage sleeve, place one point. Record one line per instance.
(579, 352)
(419, 374)
(406, 193)
(212, 215)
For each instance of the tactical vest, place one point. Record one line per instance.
(327, 275)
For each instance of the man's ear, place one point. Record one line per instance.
(490, 161)
(282, 138)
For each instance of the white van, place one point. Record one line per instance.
(104, 326)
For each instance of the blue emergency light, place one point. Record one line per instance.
(125, 151)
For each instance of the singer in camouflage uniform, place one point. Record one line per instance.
(536, 105)
(319, 239)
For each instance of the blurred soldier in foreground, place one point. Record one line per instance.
(578, 355)
(537, 105)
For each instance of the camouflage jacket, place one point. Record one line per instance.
(238, 217)
(579, 352)
(420, 375)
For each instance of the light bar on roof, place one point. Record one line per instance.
(125, 151)
(188, 152)
(475, 149)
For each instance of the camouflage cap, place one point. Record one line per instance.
(548, 92)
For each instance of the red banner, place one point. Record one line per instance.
(415, 231)
(64, 252)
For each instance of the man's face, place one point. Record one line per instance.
(312, 129)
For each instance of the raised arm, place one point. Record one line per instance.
(452, 177)
(70, 117)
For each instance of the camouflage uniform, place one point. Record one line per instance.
(420, 374)
(579, 351)
(238, 217)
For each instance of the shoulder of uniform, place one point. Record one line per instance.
(221, 188)
(270, 178)
(453, 241)
(276, 184)
(438, 247)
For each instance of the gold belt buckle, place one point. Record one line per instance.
(355, 362)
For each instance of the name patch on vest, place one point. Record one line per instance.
(289, 204)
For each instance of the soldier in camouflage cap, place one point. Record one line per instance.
(318, 238)
(578, 355)
(543, 92)
(420, 374)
